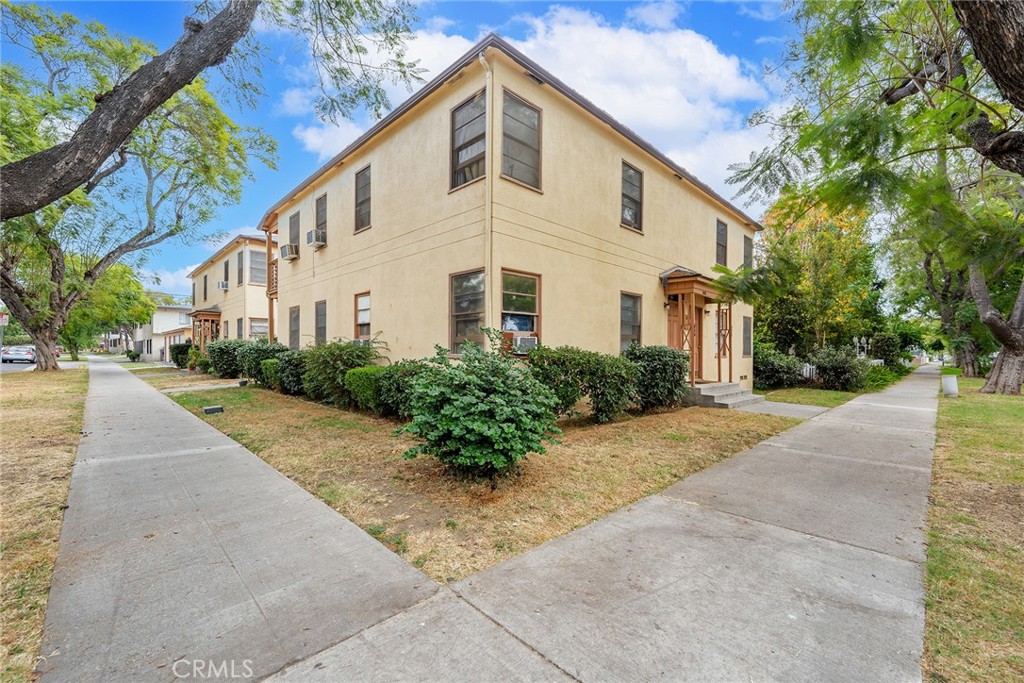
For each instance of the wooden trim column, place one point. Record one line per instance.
(719, 340)
(693, 341)
(731, 340)
(271, 323)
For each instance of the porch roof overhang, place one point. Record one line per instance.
(679, 280)
(212, 313)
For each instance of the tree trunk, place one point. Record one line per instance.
(36, 181)
(996, 30)
(45, 341)
(966, 358)
(1007, 374)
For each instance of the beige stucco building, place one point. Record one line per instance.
(229, 293)
(169, 324)
(498, 197)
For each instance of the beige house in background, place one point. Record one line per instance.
(229, 293)
(498, 197)
(170, 324)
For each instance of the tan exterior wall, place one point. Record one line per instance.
(569, 232)
(247, 301)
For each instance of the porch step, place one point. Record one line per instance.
(726, 395)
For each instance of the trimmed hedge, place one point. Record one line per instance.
(839, 369)
(395, 387)
(326, 365)
(132, 355)
(270, 371)
(480, 415)
(887, 347)
(572, 373)
(203, 365)
(179, 354)
(663, 375)
(612, 386)
(292, 367)
(252, 354)
(363, 385)
(774, 369)
(223, 355)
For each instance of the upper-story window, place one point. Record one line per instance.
(204, 288)
(632, 197)
(241, 267)
(748, 252)
(227, 272)
(722, 244)
(258, 267)
(469, 147)
(321, 214)
(520, 148)
(293, 229)
(363, 199)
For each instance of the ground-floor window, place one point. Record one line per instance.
(240, 328)
(467, 309)
(293, 327)
(629, 320)
(362, 307)
(320, 335)
(520, 302)
(748, 335)
(259, 327)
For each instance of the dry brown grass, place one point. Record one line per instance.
(453, 527)
(974, 619)
(42, 421)
(183, 379)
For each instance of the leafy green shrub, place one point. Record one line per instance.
(194, 354)
(663, 375)
(179, 354)
(223, 355)
(251, 356)
(395, 388)
(363, 385)
(326, 365)
(203, 364)
(879, 377)
(887, 347)
(774, 369)
(482, 414)
(611, 386)
(270, 373)
(132, 355)
(839, 369)
(289, 372)
(564, 370)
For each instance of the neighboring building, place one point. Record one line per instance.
(498, 197)
(229, 293)
(170, 324)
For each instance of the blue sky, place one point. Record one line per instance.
(684, 75)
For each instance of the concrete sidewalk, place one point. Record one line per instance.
(798, 560)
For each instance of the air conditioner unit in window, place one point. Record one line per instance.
(223, 284)
(289, 252)
(523, 345)
(316, 238)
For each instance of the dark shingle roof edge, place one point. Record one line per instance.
(496, 41)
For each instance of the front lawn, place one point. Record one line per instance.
(42, 419)
(810, 397)
(184, 379)
(975, 571)
(451, 527)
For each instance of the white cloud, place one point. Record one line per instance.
(296, 102)
(169, 281)
(769, 40)
(658, 14)
(762, 11)
(326, 139)
(438, 24)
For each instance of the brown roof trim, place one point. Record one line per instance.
(495, 41)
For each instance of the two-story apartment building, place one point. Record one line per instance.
(498, 197)
(229, 293)
(170, 324)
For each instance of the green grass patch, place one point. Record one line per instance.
(810, 397)
(974, 585)
(952, 371)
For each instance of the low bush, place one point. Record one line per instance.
(326, 365)
(879, 377)
(203, 364)
(662, 377)
(774, 369)
(363, 386)
(251, 356)
(270, 372)
(481, 415)
(290, 370)
(887, 347)
(611, 386)
(179, 354)
(194, 354)
(395, 388)
(223, 355)
(839, 369)
(564, 370)
(132, 355)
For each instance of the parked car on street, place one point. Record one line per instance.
(59, 349)
(15, 354)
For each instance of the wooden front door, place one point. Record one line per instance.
(675, 335)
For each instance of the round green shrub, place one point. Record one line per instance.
(888, 348)
(482, 414)
(223, 355)
(251, 355)
(395, 388)
(363, 385)
(774, 369)
(270, 372)
(326, 365)
(133, 356)
(572, 373)
(663, 374)
(179, 354)
(839, 369)
(290, 370)
(203, 365)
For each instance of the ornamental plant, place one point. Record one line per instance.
(251, 355)
(480, 414)
(662, 378)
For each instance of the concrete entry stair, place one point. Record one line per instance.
(722, 395)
